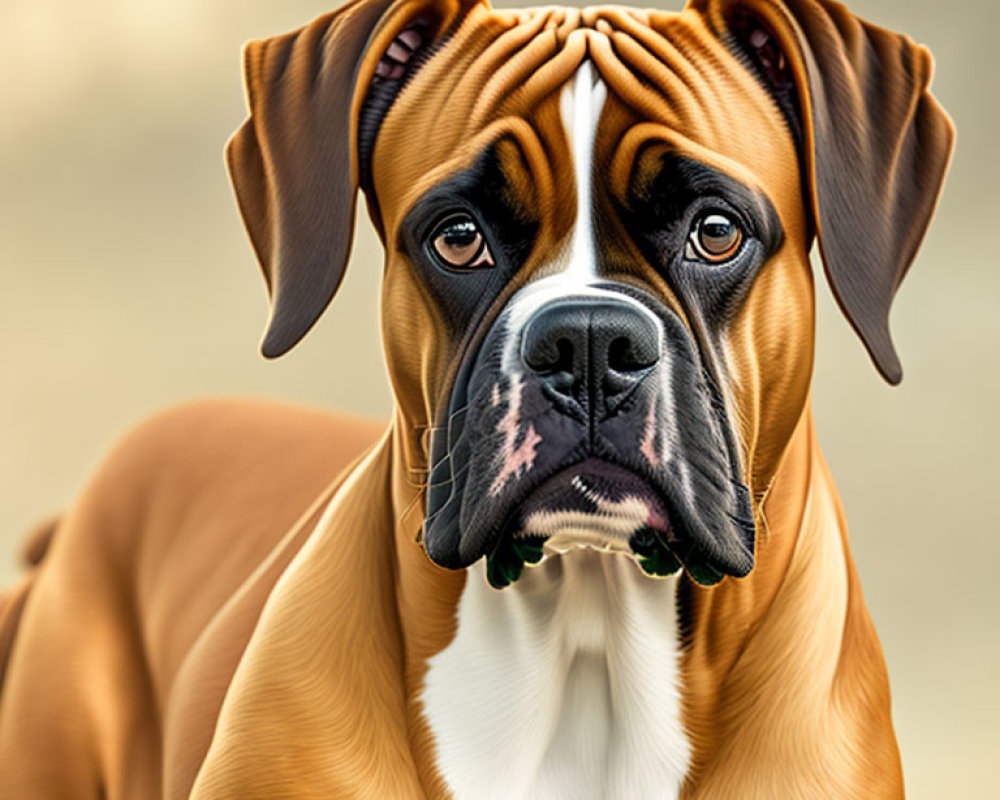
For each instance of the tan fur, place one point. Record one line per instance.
(112, 669)
(232, 609)
(791, 649)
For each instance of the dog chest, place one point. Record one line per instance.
(565, 684)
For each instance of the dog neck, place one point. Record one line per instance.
(587, 665)
(588, 679)
(565, 684)
(779, 667)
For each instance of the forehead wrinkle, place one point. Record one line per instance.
(506, 65)
(673, 60)
(517, 32)
(519, 61)
(637, 136)
(552, 75)
(734, 97)
(667, 50)
(695, 50)
(641, 96)
(490, 58)
(675, 70)
(659, 72)
(513, 129)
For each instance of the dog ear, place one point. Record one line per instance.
(297, 161)
(874, 143)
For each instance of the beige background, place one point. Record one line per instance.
(127, 285)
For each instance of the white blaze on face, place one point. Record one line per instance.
(580, 111)
(566, 683)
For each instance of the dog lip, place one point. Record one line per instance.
(593, 487)
(651, 540)
(591, 503)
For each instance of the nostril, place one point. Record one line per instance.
(620, 356)
(552, 360)
(547, 353)
(564, 357)
(628, 355)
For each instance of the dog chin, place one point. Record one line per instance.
(599, 506)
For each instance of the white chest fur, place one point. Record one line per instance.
(563, 685)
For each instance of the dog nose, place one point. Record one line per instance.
(591, 350)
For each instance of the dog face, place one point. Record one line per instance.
(597, 295)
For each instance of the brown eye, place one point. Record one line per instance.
(715, 238)
(458, 244)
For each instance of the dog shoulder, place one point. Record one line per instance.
(215, 482)
(168, 527)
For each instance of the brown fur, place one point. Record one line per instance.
(230, 609)
(112, 668)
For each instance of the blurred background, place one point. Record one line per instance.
(128, 285)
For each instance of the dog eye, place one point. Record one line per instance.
(457, 243)
(715, 237)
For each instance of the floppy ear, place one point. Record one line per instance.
(873, 141)
(297, 161)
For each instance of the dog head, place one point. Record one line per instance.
(597, 294)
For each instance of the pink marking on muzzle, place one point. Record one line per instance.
(514, 460)
(648, 446)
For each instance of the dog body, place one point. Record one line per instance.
(596, 553)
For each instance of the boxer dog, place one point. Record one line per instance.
(597, 553)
